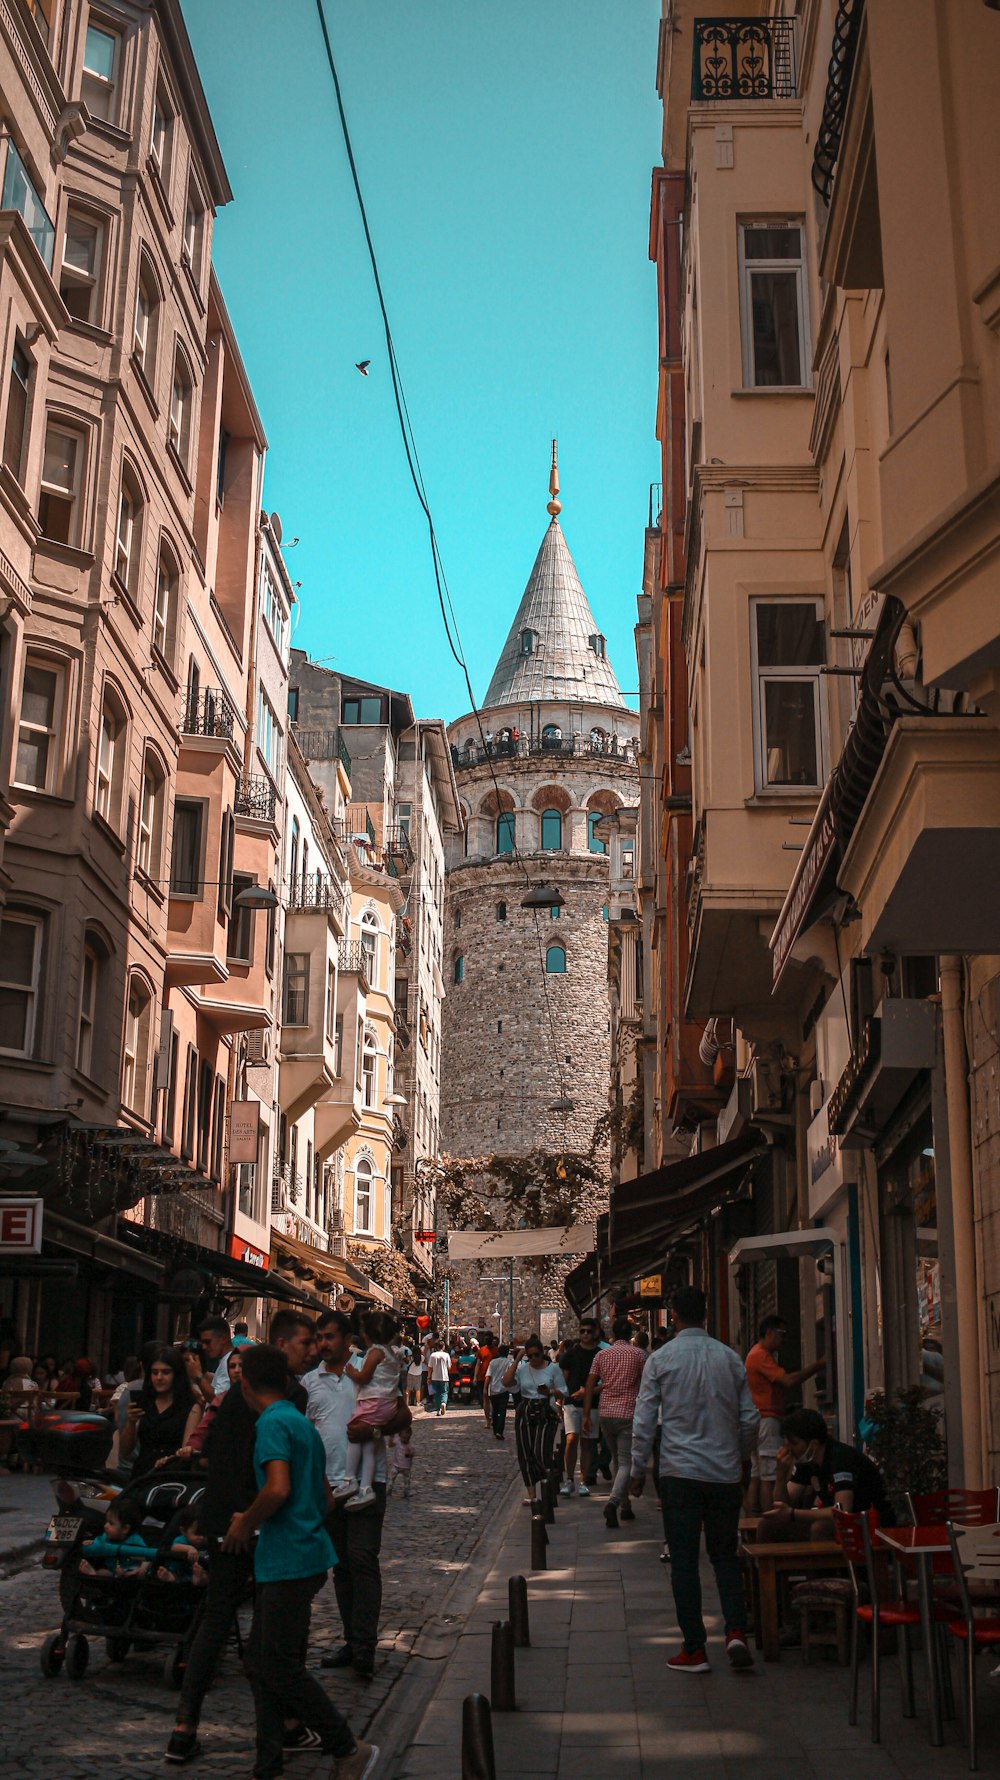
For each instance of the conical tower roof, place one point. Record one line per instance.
(562, 662)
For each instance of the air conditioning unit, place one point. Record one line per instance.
(258, 1047)
(336, 1222)
(338, 1247)
(765, 1078)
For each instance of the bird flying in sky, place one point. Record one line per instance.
(363, 367)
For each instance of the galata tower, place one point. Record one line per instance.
(526, 1016)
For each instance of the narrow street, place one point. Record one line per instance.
(117, 1719)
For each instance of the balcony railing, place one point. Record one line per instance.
(400, 1135)
(846, 26)
(655, 504)
(610, 747)
(323, 744)
(255, 796)
(208, 712)
(286, 1187)
(353, 960)
(19, 194)
(743, 59)
(314, 892)
(402, 1026)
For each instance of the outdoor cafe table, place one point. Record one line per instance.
(772, 1560)
(920, 1546)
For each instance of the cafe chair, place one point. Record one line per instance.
(968, 1508)
(976, 1555)
(874, 1609)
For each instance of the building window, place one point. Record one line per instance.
(190, 1104)
(594, 842)
(165, 607)
(239, 943)
(598, 644)
(788, 639)
(89, 988)
(160, 135)
(505, 832)
(204, 1114)
(194, 231)
(227, 851)
(42, 11)
(79, 274)
(16, 424)
(293, 855)
(554, 912)
(111, 745)
(181, 404)
(185, 857)
(369, 946)
(551, 831)
(458, 972)
(773, 309)
(59, 503)
(128, 543)
(38, 733)
(331, 1003)
(101, 73)
(364, 1197)
(21, 194)
(338, 1045)
(218, 1128)
(135, 1047)
(21, 939)
(275, 615)
(555, 961)
(361, 710)
(268, 734)
(270, 935)
(528, 641)
(369, 1069)
(296, 998)
(151, 817)
(501, 911)
(147, 316)
(628, 862)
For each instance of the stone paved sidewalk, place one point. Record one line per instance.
(595, 1703)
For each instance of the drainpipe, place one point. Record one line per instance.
(963, 1214)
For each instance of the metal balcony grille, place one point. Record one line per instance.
(208, 712)
(314, 893)
(743, 59)
(255, 796)
(354, 960)
(323, 744)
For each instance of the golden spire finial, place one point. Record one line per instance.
(555, 504)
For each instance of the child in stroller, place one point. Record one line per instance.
(121, 1549)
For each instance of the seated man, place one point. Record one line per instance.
(816, 1473)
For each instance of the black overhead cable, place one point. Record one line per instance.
(416, 476)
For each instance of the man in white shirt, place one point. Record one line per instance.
(438, 1375)
(357, 1537)
(216, 1341)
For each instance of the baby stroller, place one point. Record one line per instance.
(131, 1610)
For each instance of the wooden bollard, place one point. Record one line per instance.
(478, 1762)
(502, 1692)
(517, 1607)
(539, 1540)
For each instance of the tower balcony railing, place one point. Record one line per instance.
(743, 58)
(610, 747)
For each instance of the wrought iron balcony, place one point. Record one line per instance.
(404, 936)
(400, 1135)
(743, 59)
(353, 960)
(208, 712)
(323, 744)
(255, 796)
(846, 26)
(402, 1026)
(655, 504)
(314, 892)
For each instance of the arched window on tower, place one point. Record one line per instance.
(505, 832)
(594, 842)
(501, 911)
(551, 831)
(555, 961)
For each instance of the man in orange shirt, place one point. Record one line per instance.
(768, 1384)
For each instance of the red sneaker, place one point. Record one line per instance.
(689, 1662)
(738, 1651)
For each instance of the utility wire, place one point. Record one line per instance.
(448, 617)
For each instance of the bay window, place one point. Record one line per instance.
(788, 648)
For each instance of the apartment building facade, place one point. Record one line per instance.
(828, 421)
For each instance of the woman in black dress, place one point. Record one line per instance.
(165, 1415)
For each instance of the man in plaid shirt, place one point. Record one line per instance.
(616, 1372)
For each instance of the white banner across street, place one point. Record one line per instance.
(550, 1239)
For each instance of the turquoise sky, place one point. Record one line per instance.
(505, 152)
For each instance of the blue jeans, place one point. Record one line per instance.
(688, 1506)
(439, 1394)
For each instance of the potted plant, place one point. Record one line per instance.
(904, 1438)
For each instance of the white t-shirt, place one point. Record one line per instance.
(384, 1381)
(528, 1378)
(221, 1380)
(440, 1366)
(494, 1375)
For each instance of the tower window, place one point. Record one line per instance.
(555, 961)
(459, 970)
(551, 831)
(501, 911)
(599, 645)
(528, 640)
(505, 833)
(594, 842)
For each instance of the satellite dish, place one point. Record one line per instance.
(275, 528)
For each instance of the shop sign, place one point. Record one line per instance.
(239, 1250)
(21, 1226)
(651, 1286)
(819, 845)
(424, 1236)
(825, 1161)
(861, 1067)
(244, 1127)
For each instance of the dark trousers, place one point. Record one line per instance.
(498, 1410)
(688, 1507)
(357, 1579)
(229, 1577)
(275, 1664)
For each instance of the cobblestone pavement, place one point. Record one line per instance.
(117, 1719)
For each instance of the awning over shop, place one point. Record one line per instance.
(330, 1272)
(649, 1214)
(175, 1253)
